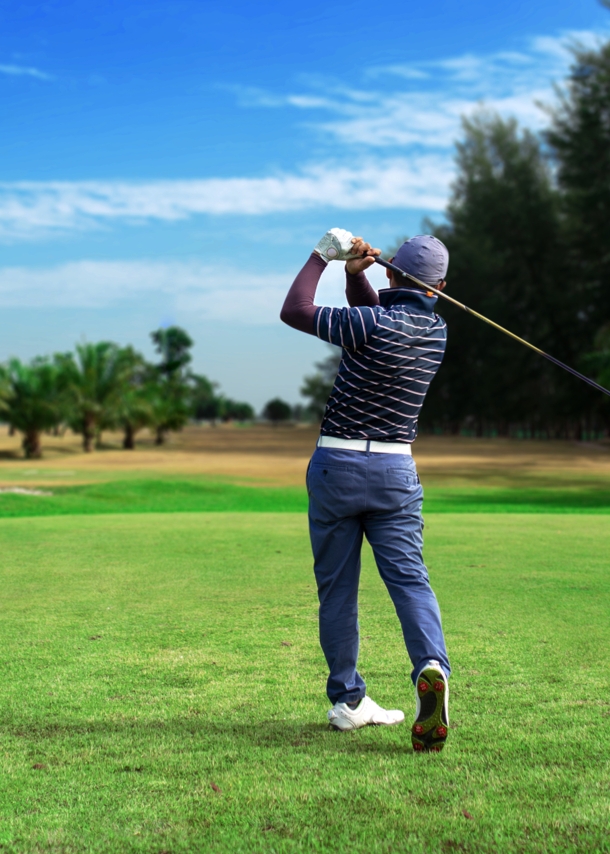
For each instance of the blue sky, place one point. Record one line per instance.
(174, 162)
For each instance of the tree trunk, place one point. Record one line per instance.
(128, 438)
(89, 432)
(31, 445)
(87, 441)
(160, 436)
(11, 430)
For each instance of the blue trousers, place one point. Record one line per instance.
(351, 494)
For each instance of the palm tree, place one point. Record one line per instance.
(34, 400)
(135, 412)
(96, 380)
(171, 393)
(134, 409)
(171, 406)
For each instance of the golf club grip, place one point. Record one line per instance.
(497, 326)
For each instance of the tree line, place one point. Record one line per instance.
(102, 386)
(528, 231)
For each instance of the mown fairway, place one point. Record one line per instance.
(162, 690)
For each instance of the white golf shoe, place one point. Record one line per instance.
(429, 732)
(367, 713)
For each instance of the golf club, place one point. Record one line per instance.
(497, 326)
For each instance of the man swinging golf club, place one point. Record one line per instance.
(362, 478)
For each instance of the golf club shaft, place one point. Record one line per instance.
(497, 326)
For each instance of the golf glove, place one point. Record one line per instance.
(336, 245)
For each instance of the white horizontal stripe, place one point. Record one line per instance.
(399, 348)
(386, 394)
(402, 370)
(369, 419)
(431, 361)
(405, 322)
(404, 358)
(393, 376)
(368, 368)
(398, 355)
(405, 335)
(379, 392)
(378, 403)
(343, 415)
(433, 318)
(398, 332)
(340, 427)
(374, 415)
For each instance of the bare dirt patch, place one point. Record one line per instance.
(279, 455)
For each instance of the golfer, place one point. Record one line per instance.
(362, 478)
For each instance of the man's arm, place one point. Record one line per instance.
(299, 310)
(358, 290)
(357, 287)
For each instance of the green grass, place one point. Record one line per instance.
(179, 495)
(162, 690)
(150, 495)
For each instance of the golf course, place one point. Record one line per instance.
(162, 685)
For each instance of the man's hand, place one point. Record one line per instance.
(336, 245)
(341, 245)
(357, 263)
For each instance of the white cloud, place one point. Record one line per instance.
(421, 105)
(430, 121)
(202, 291)
(23, 71)
(390, 146)
(419, 182)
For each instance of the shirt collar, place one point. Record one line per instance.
(390, 297)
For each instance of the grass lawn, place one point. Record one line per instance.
(162, 690)
(204, 494)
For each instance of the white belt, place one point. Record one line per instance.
(364, 445)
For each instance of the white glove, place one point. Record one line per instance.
(336, 245)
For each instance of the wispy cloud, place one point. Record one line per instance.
(421, 105)
(27, 208)
(385, 142)
(185, 288)
(24, 71)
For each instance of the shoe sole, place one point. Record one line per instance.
(348, 729)
(362, 726)
(429, 732)
(354, 728)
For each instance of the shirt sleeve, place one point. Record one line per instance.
(350, 328)
(299, 310)
(358, 290)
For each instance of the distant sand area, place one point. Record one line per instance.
(279, 455)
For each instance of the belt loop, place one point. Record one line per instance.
(368, 446)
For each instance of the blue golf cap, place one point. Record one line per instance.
(424, 257)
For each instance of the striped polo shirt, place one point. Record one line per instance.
(391, 353)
